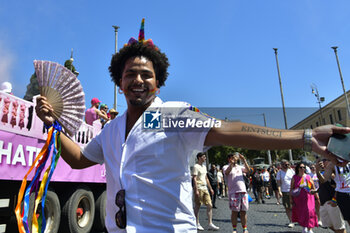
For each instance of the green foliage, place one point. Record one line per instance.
(218, 154)
(32, 88)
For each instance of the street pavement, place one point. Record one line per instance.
(262, 218)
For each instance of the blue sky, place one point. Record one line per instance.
(220, 51)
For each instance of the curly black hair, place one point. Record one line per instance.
(159, 60)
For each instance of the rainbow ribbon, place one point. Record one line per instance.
(53, 143)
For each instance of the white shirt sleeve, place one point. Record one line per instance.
(93, 150)
(195, 170)
(278, 176)
(224, 169)
(195, 137)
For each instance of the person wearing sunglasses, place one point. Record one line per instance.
(313, 175)
(147, 167)
(302, 189)
(284, 177)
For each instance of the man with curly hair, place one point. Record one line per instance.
(147, 171)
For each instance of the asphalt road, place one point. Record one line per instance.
(262, 218)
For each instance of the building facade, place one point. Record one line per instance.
(335, 112)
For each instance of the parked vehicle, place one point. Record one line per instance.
(76, 199)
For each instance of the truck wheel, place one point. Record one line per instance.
(31, 209)
(100, 212)
(52, 212)
(78, 212)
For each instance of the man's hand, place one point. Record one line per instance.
(212, 192)
(241, 157)
(320, 138)
(319, 165)
(44, 110)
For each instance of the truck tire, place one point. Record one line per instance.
(52, 212)
(78, 212)
(31, 209)
(100, 212)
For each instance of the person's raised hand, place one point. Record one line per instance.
(44, 110)
(241, 157)
(320, 138)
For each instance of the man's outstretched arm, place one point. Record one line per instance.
(250, 136)
(70, 151)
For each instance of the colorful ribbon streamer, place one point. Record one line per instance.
(53, 143)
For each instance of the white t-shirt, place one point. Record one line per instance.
(315, 180)
(220, 177)
(200, 171)
(307, 170)
(153, 168)
(235, 180)
(342, 178)
(266, 176)
(285, 178)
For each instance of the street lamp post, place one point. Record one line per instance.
(284, 109)
(268, 151)
(319, 101)
(116, 50)
(341, 79)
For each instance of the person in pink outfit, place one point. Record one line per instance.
(237, 192)
(302, 191)
(93, 113)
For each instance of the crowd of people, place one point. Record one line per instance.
(100, 112)
(147, 171)
(314, 194)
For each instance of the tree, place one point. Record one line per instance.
(218, 154)
(32, 88)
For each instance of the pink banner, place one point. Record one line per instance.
(17, 154)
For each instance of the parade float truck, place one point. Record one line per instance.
(76, 199)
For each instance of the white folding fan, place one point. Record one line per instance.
(64, 92)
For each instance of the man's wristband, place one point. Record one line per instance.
(307, 140)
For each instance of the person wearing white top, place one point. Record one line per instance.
(220, 182)
(147, 171)
(201, 185)
(342, 180)
(266, 180)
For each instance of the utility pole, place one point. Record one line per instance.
(268, 151)
(116, 50)
(341, 79)
(281, 89)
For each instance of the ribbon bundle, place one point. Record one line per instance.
(53, 143)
